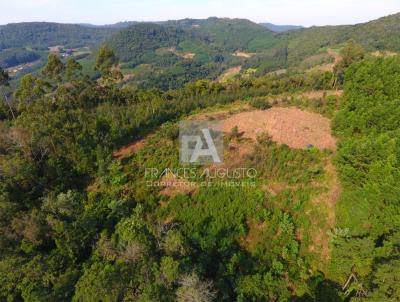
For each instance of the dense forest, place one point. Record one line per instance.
(367, 233)
(375, 35)
(41, 35)
(12, 57)
(168, 55)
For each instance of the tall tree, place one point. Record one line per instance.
(4, 77)
(31, 88)
(4, 81)
(107, 63)
(72, 68)
(351, 53)
(54, 67)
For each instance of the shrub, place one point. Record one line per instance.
(260, 104)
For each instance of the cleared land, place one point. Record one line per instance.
(230, 73)
(330, 66)
(246, 55)
(187, 55)
(129, 149)
(293, 127)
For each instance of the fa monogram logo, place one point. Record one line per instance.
(201, 143)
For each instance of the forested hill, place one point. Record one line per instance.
(224, 35)
(169, 54)
(230, 34)
(41, 35)
(241, 34)
(138, 42)
(381, 34)
(280, 28)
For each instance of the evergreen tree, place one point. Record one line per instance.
(107, 63)
(54, 67)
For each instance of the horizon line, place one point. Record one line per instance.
(188, 18)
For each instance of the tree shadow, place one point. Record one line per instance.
(324, 291)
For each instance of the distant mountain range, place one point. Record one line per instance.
(125, 24)
(281, 28)
(168, 53)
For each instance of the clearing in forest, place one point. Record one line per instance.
(187, 55)
(384, 54)
(329, 66)
(278, 72)
(291, 126)
(230, 73)
(129, 149)
(326, 205)
(298, 129)
(242, 54)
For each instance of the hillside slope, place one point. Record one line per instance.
(381, 34)
(41, 35)
(171, 53)
(280, 28)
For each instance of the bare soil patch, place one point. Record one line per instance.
(242, 54)
(329, 66)
(174, 186)
(253, 236)
(278, 72)
(293, 127)
(274, 188)
(384, 53)
(231, 72)
(335, 55)
(324, 67)
(55, 48)
(326, 203)
(187, 55)
(317, 94)
(129, 149)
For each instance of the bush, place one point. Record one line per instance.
(260, 104)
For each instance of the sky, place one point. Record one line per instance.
(294, 12)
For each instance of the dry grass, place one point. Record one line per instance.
(129, 149)
(327, 203)
(55, 48)
(293, 127)
(311, 95)
(253, 236)
(330, 66)
(230, 73)
(187, 55)
(242, 54)
(278, 72)
(384, 53)
(174, 186)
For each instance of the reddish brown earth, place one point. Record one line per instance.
(293, 127)
(330, 66)
(174, 186)
(129, 149)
